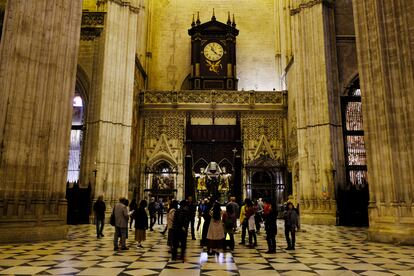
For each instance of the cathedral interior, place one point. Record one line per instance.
(303, 100)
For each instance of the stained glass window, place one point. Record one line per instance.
(355, 153)
(356, 150)
(75, 140)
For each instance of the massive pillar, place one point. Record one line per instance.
(38, 54)
(312, 79)
(109, 119)
(385, 45)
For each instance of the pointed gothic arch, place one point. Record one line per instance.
(353, 196)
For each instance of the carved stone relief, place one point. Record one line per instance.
(263, 134)
(170, 123)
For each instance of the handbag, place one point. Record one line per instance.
(112, 219)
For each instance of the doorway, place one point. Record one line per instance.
(353, 196)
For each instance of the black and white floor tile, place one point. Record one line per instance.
(320, 250)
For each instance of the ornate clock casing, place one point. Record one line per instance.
(213, 55)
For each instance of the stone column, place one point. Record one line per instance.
(38, 55)
(109, 120)
(312, 79)
(385, 45)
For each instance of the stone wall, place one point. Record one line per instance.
(386, 64)
(170, 42)
(37, 81)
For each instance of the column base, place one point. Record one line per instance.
(322, 218)
(18, 234)
(399, 234)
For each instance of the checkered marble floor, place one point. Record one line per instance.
(320, 250)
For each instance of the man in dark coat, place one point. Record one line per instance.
(291, 223)
(99, 209)
(180, 229)
(192, 208)
(207, 218)
(152, 212)
(132, 207)
(270, 217)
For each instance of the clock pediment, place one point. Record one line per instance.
(215, 27)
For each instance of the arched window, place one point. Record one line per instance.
(354, 142)
(76, 139)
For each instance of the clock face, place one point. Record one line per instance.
(213, 51)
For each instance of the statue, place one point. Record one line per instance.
(224, 184)
(201, 180)
(213, 170)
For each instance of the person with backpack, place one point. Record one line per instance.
(121, 216)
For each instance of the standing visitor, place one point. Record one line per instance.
(99, 209)
(207, 217)
(215, 235)
(121, 223)
(160, 211)
(180, 229)
(170, 222)
(152, 212)
(200, 211)
(141, 223)
(243, 221)
(270, 217)
(132, 207)
(228, 224)
(251, 225)
(258, 214)
(233, 211)
(193, 208)
(291, 223)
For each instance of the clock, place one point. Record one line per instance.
(213, 51)
(213, 55)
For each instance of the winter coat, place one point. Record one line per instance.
(141, 219)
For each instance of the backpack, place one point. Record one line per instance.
(112, 219)
(230, 209)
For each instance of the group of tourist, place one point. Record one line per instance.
(218, 228)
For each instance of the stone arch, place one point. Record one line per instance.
(349, 83)
(82, 84)
(160, 157)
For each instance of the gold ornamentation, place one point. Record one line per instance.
(215, 96)
(214, 66)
